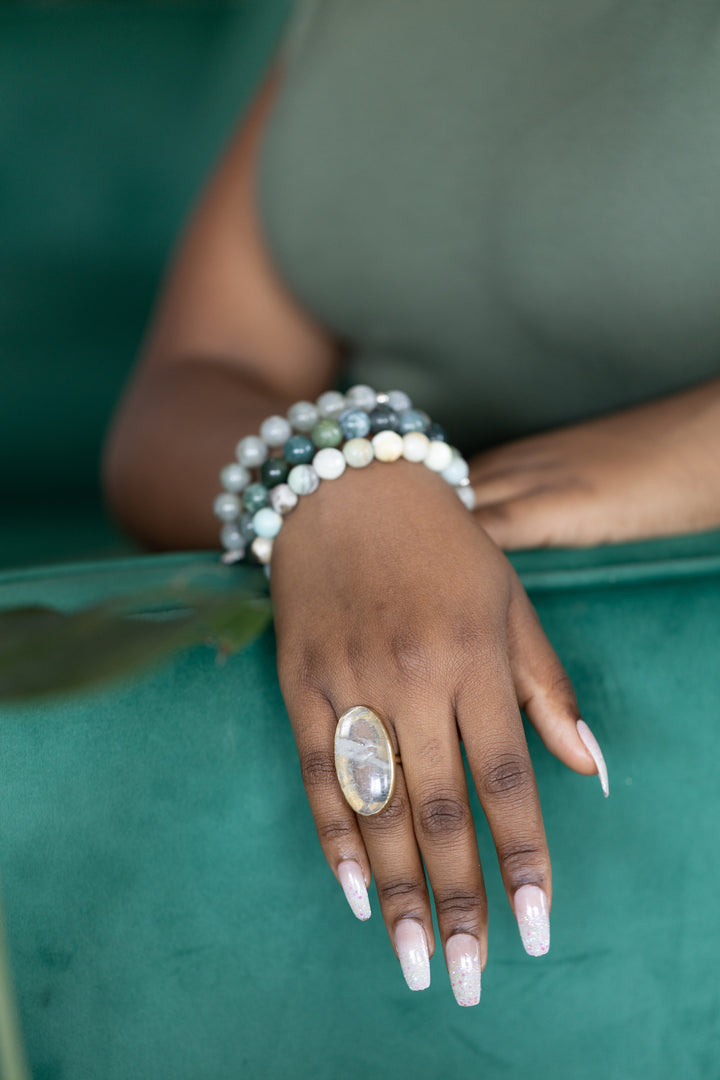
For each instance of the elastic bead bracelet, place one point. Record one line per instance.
(293, 454)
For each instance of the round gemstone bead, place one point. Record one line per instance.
(361, 397)
(457, 471)
(227, 506)
(303, 480)
(267, 523)
(399, 400)
(303, 415)
(331, 403)
(358, 453)
(262, 547)
(355, 423)
(329, 463)
(251, 452)
(415, 446)
(437, 433)
(231, 538)
(245, 527)
(387, 446)
(439, 456)
(383, 418)
(282, 499)
(327, 433)
(234, 478)
(299, 450)
(274, 471)
(275, 431)
(255, 497)
(413, 420)
(467, 496)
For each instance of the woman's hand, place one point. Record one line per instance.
(387, 594)
(648, 471)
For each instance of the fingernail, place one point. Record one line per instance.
(462, 954)
(593, 748)
(531, 912)
(412, 949)
(353, 885)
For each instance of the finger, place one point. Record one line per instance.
(545, 693)
(313, 721)
(528, 521)
(444, 827)
(492, 731)
(506, 485)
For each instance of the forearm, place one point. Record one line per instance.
(177, 427)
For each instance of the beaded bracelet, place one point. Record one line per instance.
(314, 442)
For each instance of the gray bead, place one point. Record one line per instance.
(231, 538)
(399, 400)
(303, 415)
(227, 506)
(331, 404)
(361, 397)
(251, 452)
(235, 477)
(275, 431)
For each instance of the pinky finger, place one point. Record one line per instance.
(546, 696)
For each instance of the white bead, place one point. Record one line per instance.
(387, 445)
(303, 415)
(303, 480)
(261, 548)
(275, 431)
(439, 456)
(457, 471)
(467, 496)
(361, 397)
(329, 463)
(399, 400)
(234, 478)
(282, 499)
(331, 404)
(231, 538)
(251, 452)
(358, 452)
(226, 507)
(415, 446)
(266, 522)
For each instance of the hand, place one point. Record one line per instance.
(388, 595)
(648, 471)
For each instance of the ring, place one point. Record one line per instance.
(364, 760)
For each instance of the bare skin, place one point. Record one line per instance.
(415, 611)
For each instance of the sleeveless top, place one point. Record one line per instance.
(509, 210)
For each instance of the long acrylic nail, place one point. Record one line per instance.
(412, 950)
(462, 953)
(351, 878)
(531, 912)
(593, 748)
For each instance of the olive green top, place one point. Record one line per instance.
(509, 209)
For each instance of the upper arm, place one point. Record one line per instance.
(222, 299)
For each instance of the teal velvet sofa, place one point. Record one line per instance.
(169, 912)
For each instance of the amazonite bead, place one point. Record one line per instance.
(364, 761)
(329, 463)
(331, 404)
(275, 431)
(326, 432)
(235, 478)
(361, 397)
(415, 446)
(399, 400)
(227, 506)
(303, 480)
(303, 415)
(457, 471)
(282, 499)
(267, 523)
(439, 456)
(262, 548)
(466, 494)
(387, 446)
(358, 453)
(251, 452)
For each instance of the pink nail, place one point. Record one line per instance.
(593, 748)
(412, 949)
(531, 912)
(351, 878)
(462, 953)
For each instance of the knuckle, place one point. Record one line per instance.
(318, 769)
(412, 656)
(400, 889)
(524, 862)
(336, 829)
(510, 774)
(394, 814)
(457, 905)
(442, 816)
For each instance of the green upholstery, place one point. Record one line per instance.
(169, 911)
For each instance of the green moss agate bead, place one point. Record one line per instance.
(327, 433)
(274, 471)
(299, 450)
(255, 497)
